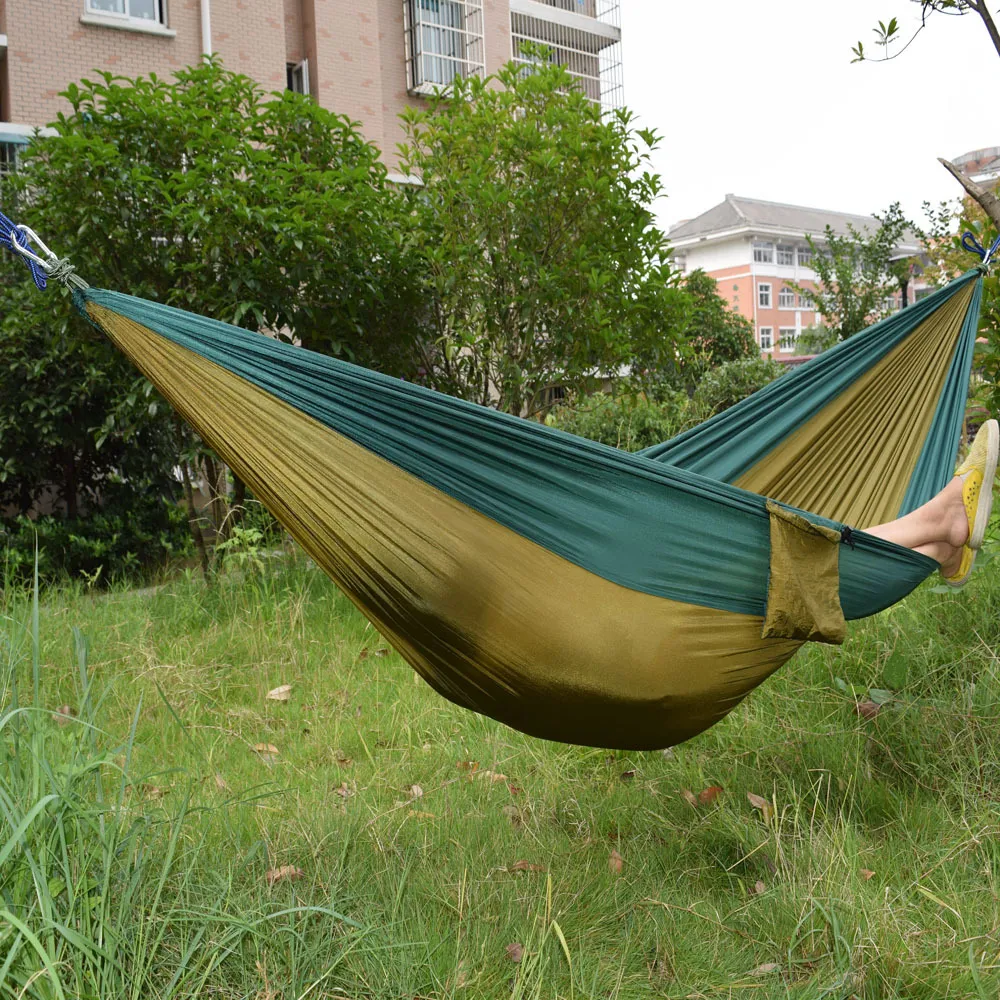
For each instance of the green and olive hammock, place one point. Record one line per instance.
(570, 590)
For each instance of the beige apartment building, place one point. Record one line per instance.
(366, 59)
(758, 254)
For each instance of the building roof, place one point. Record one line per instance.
(766, 217)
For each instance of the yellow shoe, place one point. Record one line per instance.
(964, 571)
(979, 470)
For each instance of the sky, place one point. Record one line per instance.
(761, 100)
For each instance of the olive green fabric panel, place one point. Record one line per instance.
(937, 462)
(748, 435)
(493, 621)
(854, 460)
(803, 588)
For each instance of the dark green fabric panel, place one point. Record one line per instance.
(634, 521)
(736, 440)
(937, 461)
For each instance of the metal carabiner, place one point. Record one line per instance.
(25, 251)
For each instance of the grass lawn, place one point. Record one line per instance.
(184, 835)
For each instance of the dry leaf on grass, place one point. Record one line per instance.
(689, 797)
(416, 792)
(867, 873)
(266, 749)
(759, 802)
(628, 775)
(513, 789)
(282, 693)
(344, 792)
(515, 951)
(468, 765)
(615, 862)
(766, 969)
(286, 873)
(710, 794)
(64, 714)
(220, 783)
(526, 866)
(151, 793)
(343, 759)
(759, 888)
(867, 709)
(492, 776)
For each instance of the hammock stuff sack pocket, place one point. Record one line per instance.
(570, 590)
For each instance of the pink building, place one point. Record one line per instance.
(366, 59)
(756, 250)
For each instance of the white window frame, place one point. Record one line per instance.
(804, 302)
(763, 252)
(300, 74)
(786, 298)
(788, 252)
(764, 295)
(438, 51)
(125, 16)
(784, 333)
(804, 257)
(767, 331)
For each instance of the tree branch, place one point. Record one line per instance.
(988, 201)
(991, 27)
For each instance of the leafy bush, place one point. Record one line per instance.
(130, 536)
(726, 385)
(627, 422)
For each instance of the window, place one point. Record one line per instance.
(138, 10)
(805, 257)
(444, 40)
(764, 296)
(786, 299)
(763, 253)
(786, 255)
(805, 302)
(787, 341)
(766, 338)
(297, 76)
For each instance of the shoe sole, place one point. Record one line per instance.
(985, 507)
(962, 581)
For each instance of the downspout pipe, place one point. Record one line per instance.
(206, 27)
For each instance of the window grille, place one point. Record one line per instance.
(444, 40)
(591, 52)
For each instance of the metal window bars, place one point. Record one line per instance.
(591, 53)
(444, 40)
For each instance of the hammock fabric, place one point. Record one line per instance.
(570, 590)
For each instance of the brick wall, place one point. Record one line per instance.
(48, 47)
(355, 48)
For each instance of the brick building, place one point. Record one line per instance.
(755, 250)
(366, 59)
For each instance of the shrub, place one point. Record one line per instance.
(627, 422)
(130, 536)
(726, 385)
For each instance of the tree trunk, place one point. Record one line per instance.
(987, 200)
(70, 487)
(196, 532)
